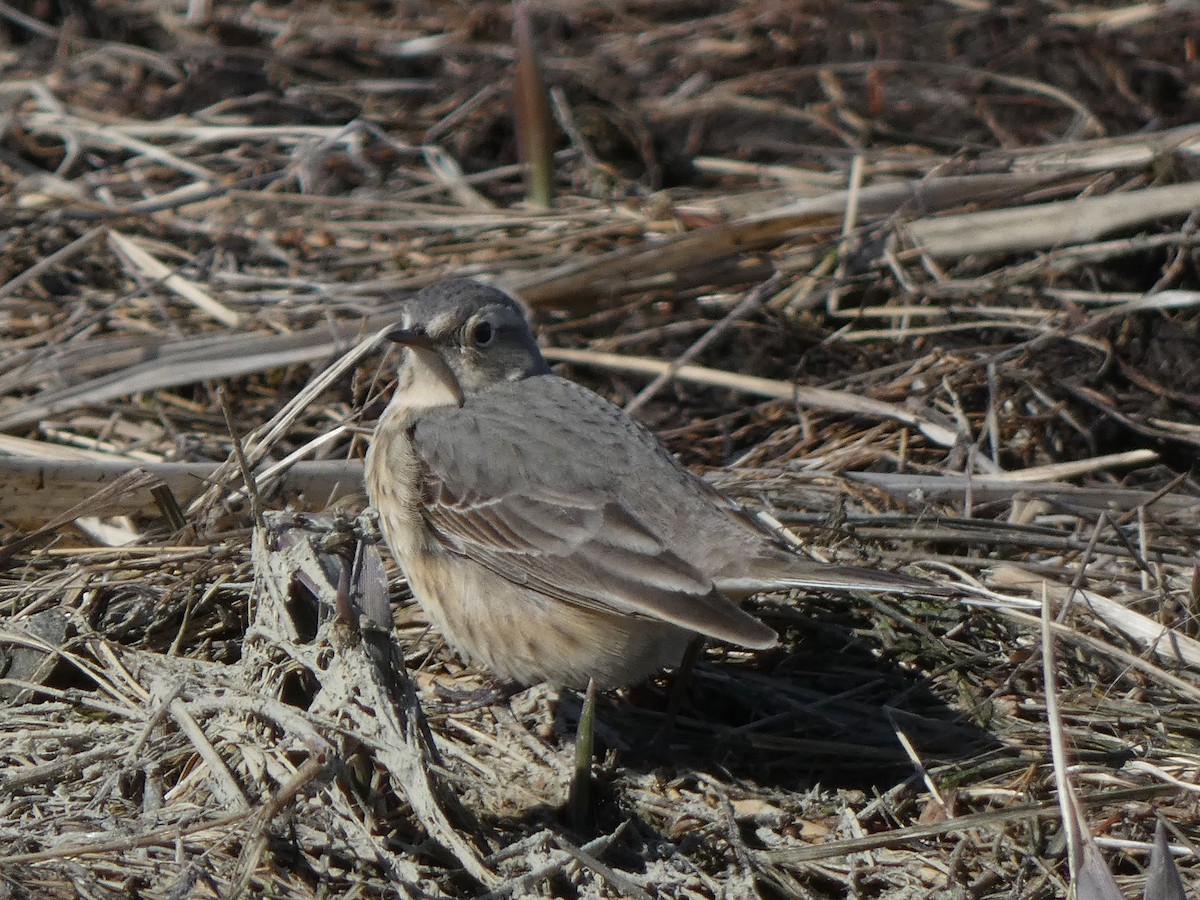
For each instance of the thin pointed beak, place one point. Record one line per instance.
(410, 337)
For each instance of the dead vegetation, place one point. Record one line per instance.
(977, 357)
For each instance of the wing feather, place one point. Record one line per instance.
(503, 488)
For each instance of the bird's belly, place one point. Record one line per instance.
(524, 636)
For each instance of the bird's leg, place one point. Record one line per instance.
(461, 701)
(579, 798)
(675, 696)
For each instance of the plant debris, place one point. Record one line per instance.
(919, 282)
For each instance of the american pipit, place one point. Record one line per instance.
(547, 535)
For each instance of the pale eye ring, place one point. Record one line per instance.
(482, 333)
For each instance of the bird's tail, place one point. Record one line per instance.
(795, 572)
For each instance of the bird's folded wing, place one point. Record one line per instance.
(570, 539)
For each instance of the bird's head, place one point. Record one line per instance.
(477, 331)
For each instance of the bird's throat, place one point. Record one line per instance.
(426, 382)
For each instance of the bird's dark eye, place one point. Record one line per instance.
(482, 333)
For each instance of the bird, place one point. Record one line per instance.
(545, 533)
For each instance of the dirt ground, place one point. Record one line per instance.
(924, 277)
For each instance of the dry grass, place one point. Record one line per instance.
(977, 358)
